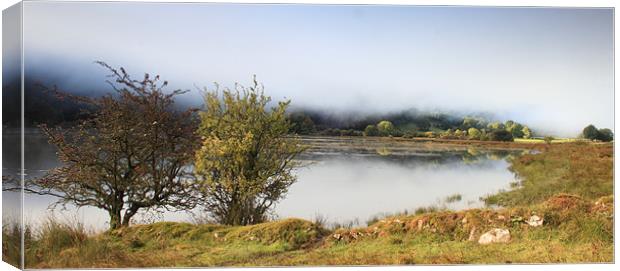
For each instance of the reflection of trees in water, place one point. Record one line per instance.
(384, 151)
(473, 151)
(473, 155)
(39, 155)
(399, 152)
(11, 181)
(411, 159)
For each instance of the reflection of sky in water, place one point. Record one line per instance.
(11, 201)
(342, 184)
(348, 188)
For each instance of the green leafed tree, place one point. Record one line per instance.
(386, 128)
(458, 133)
(516, 129)
(301, 123)
(496, 126)
(469, 122)
(527, 133)
(371, 130)
(590, 132)
(473, 133)
(605, 135)
(246, 161)
(131, 154)
(500, 135)
(447, 133)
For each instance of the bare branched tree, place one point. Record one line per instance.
(133, 153)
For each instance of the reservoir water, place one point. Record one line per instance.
(343, 179)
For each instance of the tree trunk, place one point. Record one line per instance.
(128, 215)
(115, 219)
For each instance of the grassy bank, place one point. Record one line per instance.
(583, 169)
(542, 141)
(568, 185)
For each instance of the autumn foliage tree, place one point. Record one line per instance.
(131, 154)
(246, 160)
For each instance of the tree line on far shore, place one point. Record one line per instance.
(438, 125)
(419, 125)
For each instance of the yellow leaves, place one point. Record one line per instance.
(245, 152)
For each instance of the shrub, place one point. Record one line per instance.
(605, 135)
(350, 132)
(474, 133)
(548, 139)
(246, 163)
(371, 130)
(590, 132)
(527, 133)
(386, 128)
(458, 133)
(501, 135)
(430, 134)
(301, 123)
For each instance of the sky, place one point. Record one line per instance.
(551, 68)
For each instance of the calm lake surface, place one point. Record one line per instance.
(342, 179)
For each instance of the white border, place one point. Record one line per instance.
(513, 3)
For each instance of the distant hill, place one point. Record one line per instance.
(40, 106)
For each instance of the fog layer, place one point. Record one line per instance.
(551, 68)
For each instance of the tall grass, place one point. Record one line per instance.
(11, 242)
(453, 198)
(52, 236)
(575, 168)
(322, 221)
(55, 242)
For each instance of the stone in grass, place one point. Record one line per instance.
(535, 221)
(494, 236)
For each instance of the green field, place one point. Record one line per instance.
(540, 140)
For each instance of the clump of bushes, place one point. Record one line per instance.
(592, 133)
(340, 132)
(548, 139)
(383, 128)
(501, 135)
